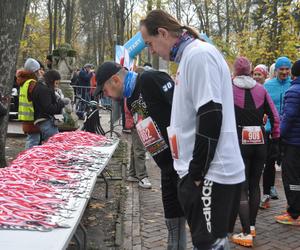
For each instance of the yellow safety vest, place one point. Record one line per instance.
(26, 111)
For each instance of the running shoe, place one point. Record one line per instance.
(287, 220)
(273, 193)
(132, 179)
(145, 183)
(242, 239)
(265, 201)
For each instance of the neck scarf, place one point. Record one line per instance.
(129, 83)
(184, 40)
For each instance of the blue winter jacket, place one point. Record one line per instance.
(276, 89)
(290, 123)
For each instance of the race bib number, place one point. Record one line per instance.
(252, 135)
(150, 136)
(174, 146)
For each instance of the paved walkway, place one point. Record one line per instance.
(145, 227)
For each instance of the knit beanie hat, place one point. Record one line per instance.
(296, 68)
(283, 62)
(242, 66)
(262, 69)
(272, 72)
(31, 65)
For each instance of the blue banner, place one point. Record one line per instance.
(135, 45)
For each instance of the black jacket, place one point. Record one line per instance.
(152, 97)
(44, 102)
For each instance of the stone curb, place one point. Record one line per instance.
(132, 239)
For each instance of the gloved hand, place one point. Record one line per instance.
(66, 101)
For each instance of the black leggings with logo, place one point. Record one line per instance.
(254, 158)
(210, 209)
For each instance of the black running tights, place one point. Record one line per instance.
(254, 158)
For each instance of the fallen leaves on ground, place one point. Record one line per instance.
(97, 205)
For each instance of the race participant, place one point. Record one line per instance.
(251, 102)
(276, 88)
(149, 98)
(202, 131)
(290, 127)
(260, 73)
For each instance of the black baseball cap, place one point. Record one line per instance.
(104, 72)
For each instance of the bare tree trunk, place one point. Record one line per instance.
(207, 29)
(103, 44)
(72, 19)
(227, 22)
(128, 26)
(219, 21)
(240, 14)
(246, 15)
(274, 28)
(59, 22)
(108, 27)
(25, 35)
(121, 21)
(237, 22)
(99, 38)
(12, 17)
(49, 6)
(94, 40)
(55, 24)
(68, 21)
(131, 22)
(200, 16)
(88, 43)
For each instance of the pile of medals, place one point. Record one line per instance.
(44, 185)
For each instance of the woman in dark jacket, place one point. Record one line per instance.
(46, 105)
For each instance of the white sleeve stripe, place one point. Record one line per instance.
(208, 138)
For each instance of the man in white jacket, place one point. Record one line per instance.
(202, 131)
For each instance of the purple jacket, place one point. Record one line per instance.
(252, 102)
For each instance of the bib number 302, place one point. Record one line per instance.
(145, 134)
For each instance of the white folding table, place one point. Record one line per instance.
(57, 238)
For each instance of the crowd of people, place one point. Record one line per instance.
(222, 129)
(213, 131)
(38, 101)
